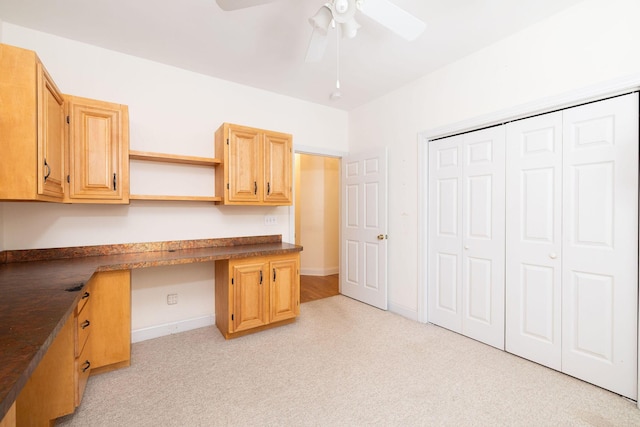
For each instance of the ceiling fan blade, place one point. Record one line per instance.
(317, 46)
(391, 16)
(227, 5)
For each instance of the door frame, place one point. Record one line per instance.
(569, 99)
(324, 152)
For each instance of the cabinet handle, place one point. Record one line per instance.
(255, 187)
(46, 175)
(274, 274)
(268, 188)
(114, 182)
(85, 324)
(85, 295)
(261, 277)
(86, 365)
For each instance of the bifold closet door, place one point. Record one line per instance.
(600, 243)
(534, 239)
(466, 228)
(572, 241)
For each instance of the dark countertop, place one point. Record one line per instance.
(34, 304)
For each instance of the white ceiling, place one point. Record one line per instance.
(265, 46)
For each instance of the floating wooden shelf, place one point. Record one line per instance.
(173, 158)
(175, 198)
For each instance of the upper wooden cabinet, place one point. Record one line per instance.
(98, 136)
(256, 166)
(32, 120)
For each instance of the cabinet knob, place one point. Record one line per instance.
(48, 172)
(466, 247)
(255, 187)
(86, 365)
(85, 295)
(85, 324)
(553, 255)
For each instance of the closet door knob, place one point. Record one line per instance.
(553, 255)
(466, 247)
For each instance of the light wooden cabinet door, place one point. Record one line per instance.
(284, 301)
(256, 166)
(98, 151)
(49, 392)
(32, 129)
(277, 168)
(251, 293)
(50, 136)
(110, 320)
(244, 165)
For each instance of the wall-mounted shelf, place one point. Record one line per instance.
(175, 159)
(175, 198)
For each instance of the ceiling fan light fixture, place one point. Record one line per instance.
(343, 10)
(350, 28)
(321, 20)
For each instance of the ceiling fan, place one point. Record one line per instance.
(342, 13)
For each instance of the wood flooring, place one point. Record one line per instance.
(318, 287)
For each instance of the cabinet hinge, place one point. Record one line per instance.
(227, 185)
(68, 179)
(227, 141)
(231, 316)
(232, 281)
(68, 120)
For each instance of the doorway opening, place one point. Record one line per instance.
(317, 224)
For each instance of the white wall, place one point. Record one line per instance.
(592, 42)
(173, 111)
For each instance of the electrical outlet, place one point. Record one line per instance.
(172, 299)
(270, 220)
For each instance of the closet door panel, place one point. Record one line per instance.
(445, 233)
(533, 238)
(483, 236)
(600, 244)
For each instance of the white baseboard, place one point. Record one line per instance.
(151, 332)
(403, 311)
(319, 271)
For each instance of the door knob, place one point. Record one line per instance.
(466, 247)
(381, 236)
(553, 255)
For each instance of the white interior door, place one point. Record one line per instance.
(600, 244)
(445, 233)
(534, 239)
(483, 234)
(364, 228)
(466, 234)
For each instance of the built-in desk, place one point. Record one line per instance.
(35, 304)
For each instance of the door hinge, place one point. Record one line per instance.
(68, 120)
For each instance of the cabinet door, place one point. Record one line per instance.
(110, 318)
(245, 165)
(250, 292)
(277, 168)
(51, 119)
(285, 290)
(98, 151)
(49, 391)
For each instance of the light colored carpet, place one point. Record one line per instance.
(342, 363)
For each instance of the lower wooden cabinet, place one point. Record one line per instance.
(256, 293)
(97, 338)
